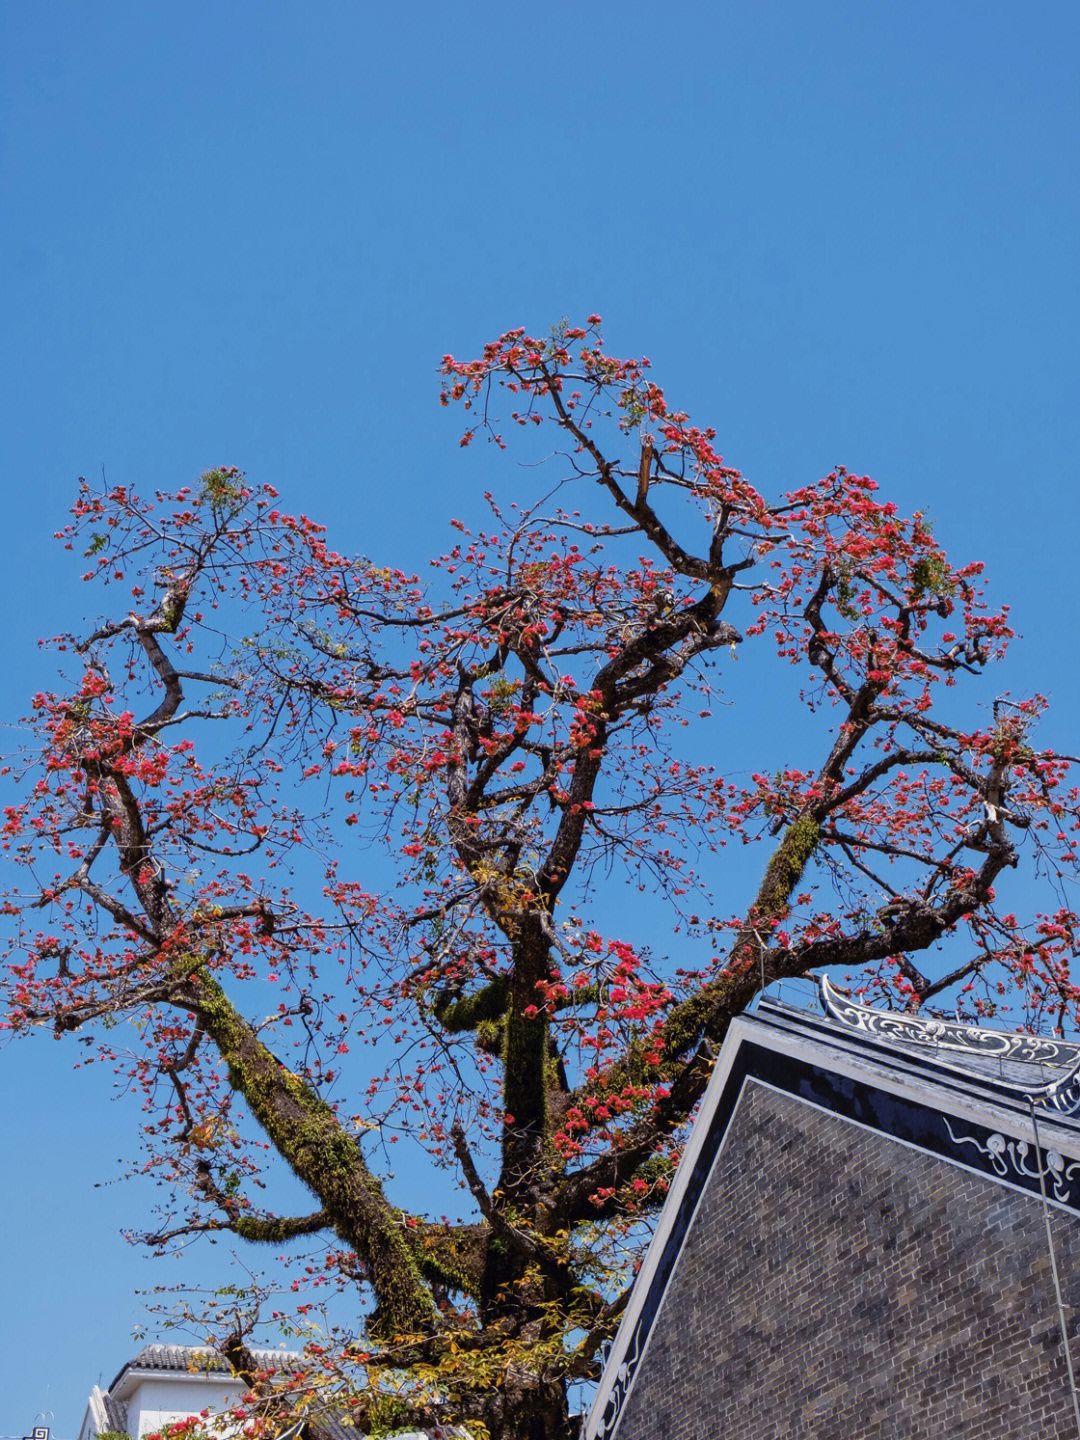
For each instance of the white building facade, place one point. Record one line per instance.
(163, 1384)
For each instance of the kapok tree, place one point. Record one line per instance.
(394, 809)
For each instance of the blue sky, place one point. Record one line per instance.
(245, 234)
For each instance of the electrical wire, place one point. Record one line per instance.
(1039, 1152)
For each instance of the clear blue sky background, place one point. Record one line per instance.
(246, 233)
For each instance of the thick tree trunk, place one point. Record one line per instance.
(527, 1408)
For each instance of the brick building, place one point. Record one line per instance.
(861, 1241)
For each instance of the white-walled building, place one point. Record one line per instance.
(165, 1383)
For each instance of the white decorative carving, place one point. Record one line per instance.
(1007, 1155)
(623, 1376)
(1062, 1094)
(946, 1035)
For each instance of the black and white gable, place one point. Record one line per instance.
(874, 1232)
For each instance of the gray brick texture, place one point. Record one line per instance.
(836, 1284)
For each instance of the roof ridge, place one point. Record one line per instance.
(913, 1028)
(163, 1356)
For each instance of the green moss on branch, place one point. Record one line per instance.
(466, 1012)
(272, 1230)
(306, 1133)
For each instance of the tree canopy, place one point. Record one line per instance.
(499, 744)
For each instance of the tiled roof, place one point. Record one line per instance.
(105, 1413)
(330, 1427)
(115, 1414)
(187, 1358)
(1039, 1069)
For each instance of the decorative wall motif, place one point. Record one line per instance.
(1007, 1155)
(623, 1376)
(1063, 1094)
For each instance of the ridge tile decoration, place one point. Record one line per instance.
(1061, 1094)
(945, 1034)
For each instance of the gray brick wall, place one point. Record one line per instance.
(836, 1284)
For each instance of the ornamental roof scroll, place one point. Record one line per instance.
(1062, 1093)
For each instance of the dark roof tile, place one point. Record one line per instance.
(180, 1359)
(188, 1358)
